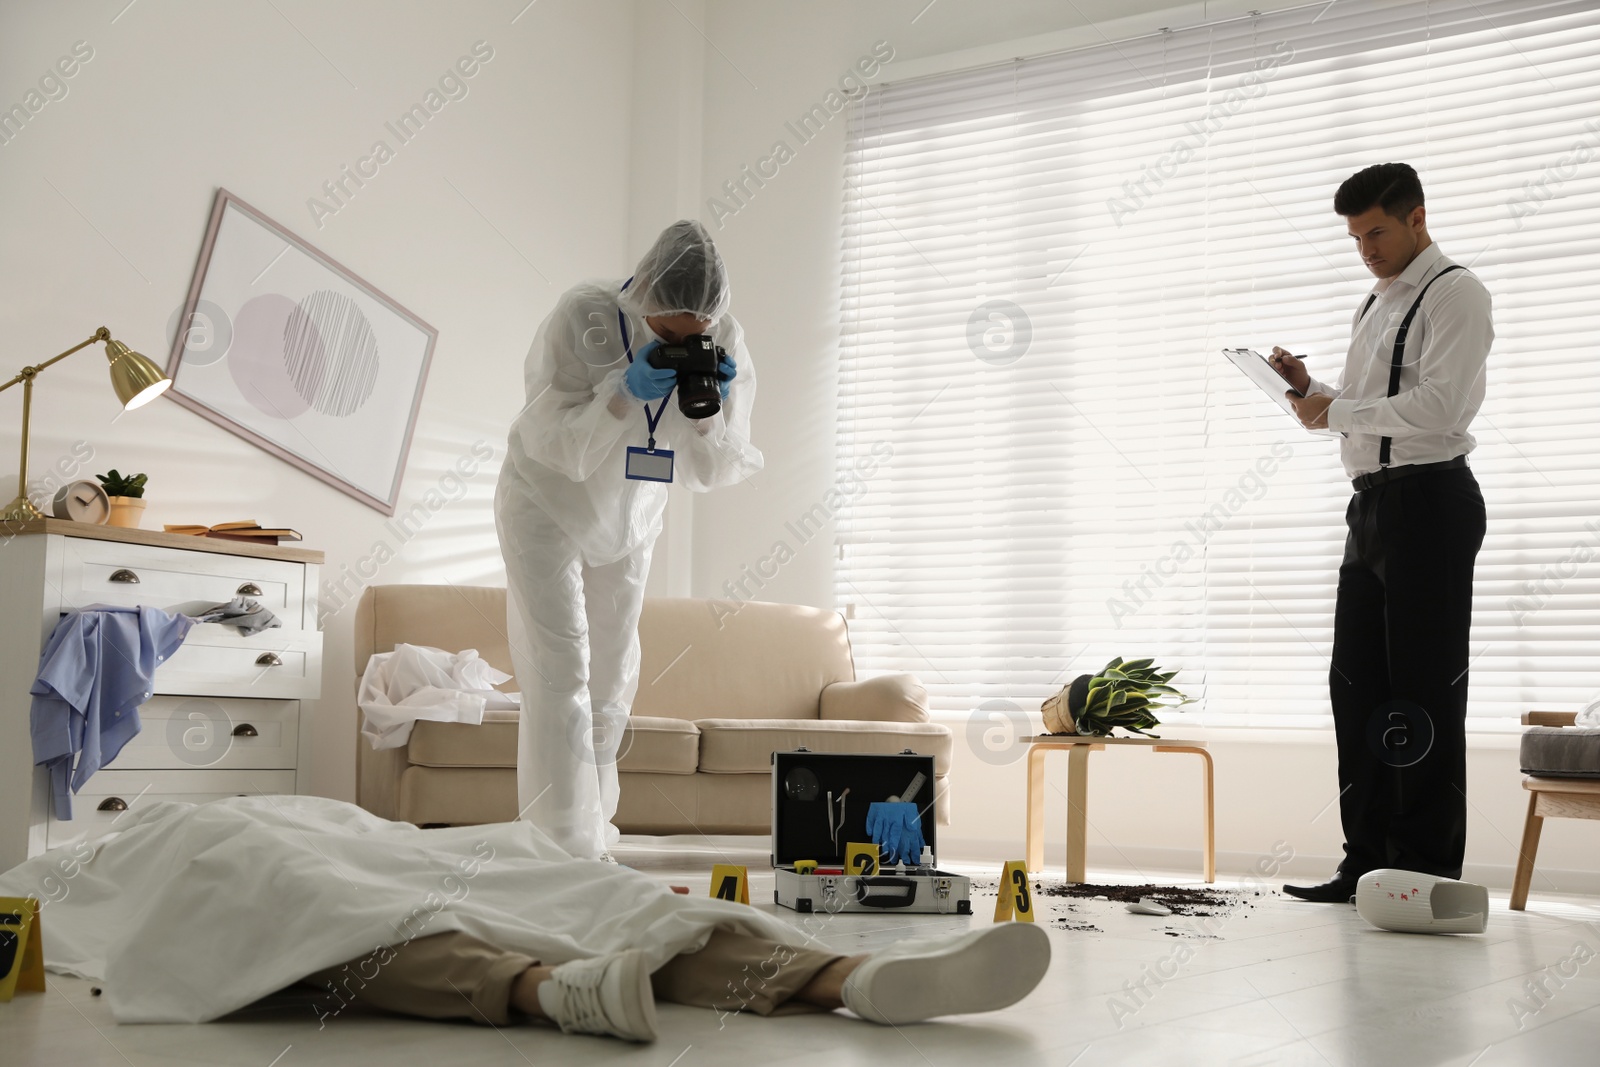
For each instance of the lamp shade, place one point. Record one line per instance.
(135, 378)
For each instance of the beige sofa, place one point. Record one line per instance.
(715, 700)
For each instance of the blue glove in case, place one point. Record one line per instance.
(856, 790)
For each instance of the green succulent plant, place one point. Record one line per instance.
(1125, 694)
(122, 485)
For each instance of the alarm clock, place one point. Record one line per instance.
(83, 501)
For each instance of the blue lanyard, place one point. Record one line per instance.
(627, 346)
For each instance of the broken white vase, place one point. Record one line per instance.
(1410, 902)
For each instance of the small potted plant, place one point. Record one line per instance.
(1122, 694)
(127, 498)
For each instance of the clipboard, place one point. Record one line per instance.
(1258, 370)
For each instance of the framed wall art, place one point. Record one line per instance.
(290, 350)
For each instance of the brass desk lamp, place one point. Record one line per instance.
(135, 378)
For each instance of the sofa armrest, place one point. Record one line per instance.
(886, 698)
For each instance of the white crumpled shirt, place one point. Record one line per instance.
(417, 682)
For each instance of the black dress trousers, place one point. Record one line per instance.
(1398, 678)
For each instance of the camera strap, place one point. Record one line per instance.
(627, 347)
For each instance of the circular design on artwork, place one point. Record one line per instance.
(256, 358)
(330, 353)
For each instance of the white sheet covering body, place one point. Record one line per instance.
(189, 912)
(417, 682)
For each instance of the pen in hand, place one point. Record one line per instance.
(1292, 368)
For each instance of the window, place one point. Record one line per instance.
(1042, 262)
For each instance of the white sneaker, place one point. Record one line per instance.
(982, 970)
(609, 995)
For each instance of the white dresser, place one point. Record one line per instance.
(229, 714)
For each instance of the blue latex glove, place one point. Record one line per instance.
(727, 370)
(645, 382)
(897, 831)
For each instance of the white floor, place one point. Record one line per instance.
(1281, 982)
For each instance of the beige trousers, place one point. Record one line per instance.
(456, 976)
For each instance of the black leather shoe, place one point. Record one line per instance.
(1338, 891)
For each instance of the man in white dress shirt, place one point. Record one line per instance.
(1413, 380)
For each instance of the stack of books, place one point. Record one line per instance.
(248, 530)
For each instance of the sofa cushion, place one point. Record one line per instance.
(660, 746)
(752, 660)
(745, 746)
(655, 745)
(1561, 752)
(695, 804)
(492, 743)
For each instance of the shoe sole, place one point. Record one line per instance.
(989, 970)
(1292, 895)
(641, 1023)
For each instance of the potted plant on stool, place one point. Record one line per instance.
(126, 493)
(1122, 694)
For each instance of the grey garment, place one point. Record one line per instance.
(249, 616)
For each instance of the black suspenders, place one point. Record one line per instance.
(1400, 347)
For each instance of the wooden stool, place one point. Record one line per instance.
(1078, 749)
(1565, 798)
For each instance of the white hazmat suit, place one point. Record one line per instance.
(576, 534)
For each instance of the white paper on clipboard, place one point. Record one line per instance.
(1258, 370)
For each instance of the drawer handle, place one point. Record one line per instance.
(244, 729)
(113, 804)
(269, 659)
(123, 576)
(249, 589)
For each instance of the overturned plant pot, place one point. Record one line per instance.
(1059, 709)
(1121, 694)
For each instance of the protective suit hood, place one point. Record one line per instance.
(682, 274)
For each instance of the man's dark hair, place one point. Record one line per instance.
(1394, 187)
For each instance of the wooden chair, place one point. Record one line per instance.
(1567, 798)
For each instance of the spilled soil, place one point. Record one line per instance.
(1183, 900)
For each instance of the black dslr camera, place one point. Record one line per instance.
(695, 360)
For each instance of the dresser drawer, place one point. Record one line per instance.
(215, 733)
(175, 580)
(117, 791)
(215, 660)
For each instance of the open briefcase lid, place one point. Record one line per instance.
(802, 782)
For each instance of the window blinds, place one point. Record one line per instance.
(1042, 262)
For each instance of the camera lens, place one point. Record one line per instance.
(699, 396)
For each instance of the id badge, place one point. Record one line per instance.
(649, 464)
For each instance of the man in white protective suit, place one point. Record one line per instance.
(579, 505)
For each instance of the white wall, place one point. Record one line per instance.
(106, 193)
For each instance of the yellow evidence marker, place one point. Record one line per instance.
(21, 947)
(1016, 899)
(861, 859)
(805, 866)
(730, 882)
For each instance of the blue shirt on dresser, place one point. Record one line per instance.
(95, 671)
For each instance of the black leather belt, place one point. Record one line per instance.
(1390, 474)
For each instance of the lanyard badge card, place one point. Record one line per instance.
(648, 464)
